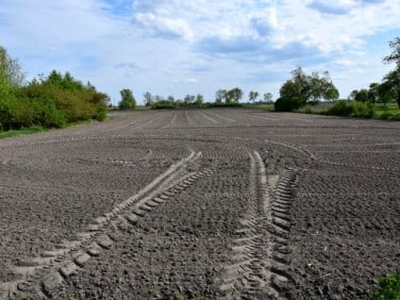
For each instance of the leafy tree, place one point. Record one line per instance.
(303, 89)
(233, 96)
(66, 82)
(385, 92)
(148, 99)
(10, 70)
(171, 99)
(253, 95)
(199, 99)
(362, 95)
(128, 101)
(189, 99)
(352, 95)
(373, 92)
(392, 83)
(395, 55)
(392, 79)
(220, 96)
(268, 97)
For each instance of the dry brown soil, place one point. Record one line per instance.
(201, 204)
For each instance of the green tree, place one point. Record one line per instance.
(171, 99)
(392, 79)
(233, 96)
(128, 101)
(268, 97)
(392, 83)
(362, 95)
(385, 93)
(189, 99)
(303, 89)
(66, 82)
(199, 99)
(148, 99)
(395, 55)
(253, 95)
(220, 96)
(10, 70)
(373, 92)
(352, 95)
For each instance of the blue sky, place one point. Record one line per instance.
(179, 47)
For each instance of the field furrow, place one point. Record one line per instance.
(201, 204)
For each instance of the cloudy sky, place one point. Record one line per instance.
(179, 47)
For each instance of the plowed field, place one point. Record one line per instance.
(201, 204)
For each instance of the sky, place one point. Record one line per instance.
(180, 47)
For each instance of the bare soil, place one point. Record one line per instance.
(201, 204)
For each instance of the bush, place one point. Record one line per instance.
(287, 104)
(362, 110)
(164, 104)
(389, 288)
(69, 105)
(308, 109)
(351, 109)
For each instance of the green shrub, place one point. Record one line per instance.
(64, 106)
(163, 105)
(221, 104)
(389, 288)
(340, 108)
(308, 109)
(362, 109)
(351, 109)
(287, 104)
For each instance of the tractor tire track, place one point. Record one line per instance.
(43, 274)
(259, 268)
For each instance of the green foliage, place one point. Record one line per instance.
(233, 95)
(164, 104)
(288, 104)
(10, 70)
(395, 55)
(362, 95)
(11, 133)
(351, 109)
(128, 101)
(308, 109)
(389, 288)
(51, 103)
(253, 95)
(303, 89)
(220, 104)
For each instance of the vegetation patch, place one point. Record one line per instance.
(11, 133)
(389, 288)
(48, 102)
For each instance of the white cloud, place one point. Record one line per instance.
(159, 45)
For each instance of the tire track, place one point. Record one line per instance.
(259, 262)
(208, 118)
(40, 275)
(222, 117)
(169, 125)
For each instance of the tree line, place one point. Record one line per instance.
(301, 90)
(223, 98)
(51, 101)
(388, 90)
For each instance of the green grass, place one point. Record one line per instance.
(263, 106)
(11, 133)
(389, 288)
(386, 112)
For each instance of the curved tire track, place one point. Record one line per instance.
(43, 274)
